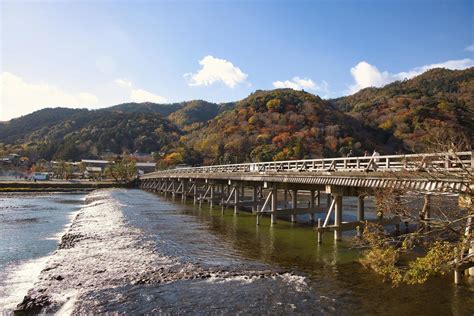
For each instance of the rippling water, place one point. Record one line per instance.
(135, 252)
(30, 228)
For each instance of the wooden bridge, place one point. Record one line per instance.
(267, 182)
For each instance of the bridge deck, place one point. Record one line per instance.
(442, 172)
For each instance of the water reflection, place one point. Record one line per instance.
(332, 266)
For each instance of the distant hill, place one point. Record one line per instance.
(414, 110)
(284, 124)
(146, 107)
(71, 134)
(197, 111)
(19, 129)
(76, 134)
(267, 125)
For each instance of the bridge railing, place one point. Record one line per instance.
(447, 161)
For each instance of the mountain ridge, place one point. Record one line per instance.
(266, 125)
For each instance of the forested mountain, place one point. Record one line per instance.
(87, 134)
(71, 134)
(18, 130)
(195, 112)
(146, 107)
(284, 124)
(267, 125)
(414, 110)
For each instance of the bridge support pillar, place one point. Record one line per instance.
(255, 199)
(260, 198)
(426, 211)
(173, 189)
(312, 204)
(338, 217)
(320, 233)
(285, 197)
(211, 192)
(468, 232)
(470, 271)
(294, 204)
(194, 193)
(360, 213)
(236, 199)
(457, 272)
(185, 191)
(274, 201)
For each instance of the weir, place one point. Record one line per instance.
(276, 187)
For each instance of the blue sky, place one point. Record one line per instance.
(99, 53)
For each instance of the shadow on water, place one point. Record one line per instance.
(211, 237)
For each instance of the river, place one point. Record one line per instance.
(136, 252)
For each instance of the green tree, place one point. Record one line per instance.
(122, 171)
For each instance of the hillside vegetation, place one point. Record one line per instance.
(267, 125)
(415, 110)
(280, 125)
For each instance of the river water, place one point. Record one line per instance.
(135, 252)
(31, 226)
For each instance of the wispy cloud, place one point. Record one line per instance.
(139, 95)
(214, 70)
(298, 83)
(470, 48)
(19, 97)
(124, 83)
(367, 75)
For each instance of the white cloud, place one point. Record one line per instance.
(215, 70)
(19, 97)
(139, 95)
(366, 75)
(470, 48)
(298, 83)
(123, 83)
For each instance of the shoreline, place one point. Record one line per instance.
(58, 186)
